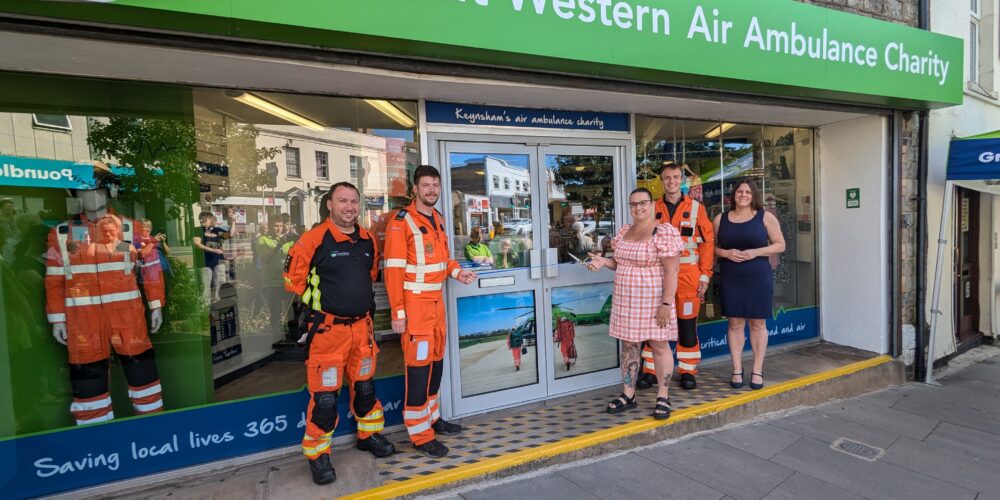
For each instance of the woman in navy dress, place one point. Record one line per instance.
(746, 236)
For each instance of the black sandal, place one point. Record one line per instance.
(737, 385)
(759, 386)
(621, 403)
(662, 409)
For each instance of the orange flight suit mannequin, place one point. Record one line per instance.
(334, 274)
(697, 259)
(91, 285)
(417, 263)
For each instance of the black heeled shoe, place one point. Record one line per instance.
(737, 385)
(759, 386)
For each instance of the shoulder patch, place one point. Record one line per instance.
(401, 214)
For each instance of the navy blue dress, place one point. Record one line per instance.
(746, 288)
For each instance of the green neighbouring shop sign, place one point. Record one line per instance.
(774, 47)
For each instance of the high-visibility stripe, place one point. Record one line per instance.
(400, 314)
(57, 318)
(101, 299)
(685, 366)
(151, 263)
(689, 259)
(62, 234)
(90, 405)
(377, 414)
(325, 445)
(371, 427)
(421, 287)
(89, 268)
(416, 414)
(149, 391)
(395, 263)
(688, 354)
(418, 428)
(155, 304)
(429, 268)
(146, 408)
(102, 418)
(436, 414)
(418, 244)
(454, 272)
(647, 354)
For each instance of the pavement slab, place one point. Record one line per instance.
(800, 486)
(547, 486)
(828, 428)
(980, 444)
(945, 463)
(632, 476)
(761, 439)
(736, 473)
(876, 479)
(880, 417)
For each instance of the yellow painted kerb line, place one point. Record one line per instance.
(599, 437)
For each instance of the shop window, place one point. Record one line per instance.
(714, 157)
(322, 165)
(292, 162)
(197, 221)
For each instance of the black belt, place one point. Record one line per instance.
(347, 320)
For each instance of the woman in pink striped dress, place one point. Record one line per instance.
(646, 260)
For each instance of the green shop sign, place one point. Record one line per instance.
(776, 47)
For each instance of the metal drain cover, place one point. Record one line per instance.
(857, 449)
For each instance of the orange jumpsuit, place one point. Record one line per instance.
(92, 285)
(566, 336)
(691, 219)
(417, 262)
(334, 274)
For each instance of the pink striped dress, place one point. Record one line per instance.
(638, 289)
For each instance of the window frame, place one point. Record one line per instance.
(288, 162)
(52, 127)
(325, 163)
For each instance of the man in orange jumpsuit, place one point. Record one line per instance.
(691, 219)
(417, 261)
(94, 305)
(333, 267)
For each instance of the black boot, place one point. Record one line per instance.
(646, 380)
(322, 471)
(688, 382)
(433, 449)
(377, 444)
(446, 428)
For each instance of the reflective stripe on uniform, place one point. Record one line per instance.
(421, 287)
(691, 258)
(90, 268)
(141, 393)
(62, 236)
(688, 354)
(102, 418)
(57, 318)
(146, 408)
(155, 304)
(416, 414)
(454, 273)
(101, 299)
(418, 428)
(90, 405)
(395, 263)
(313, 451)
(418, 244)
(685, 366)
(400, 314)
(429, 268)
(691, 242)
(647, 354)
(376, 427)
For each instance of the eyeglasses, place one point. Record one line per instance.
(635, 204)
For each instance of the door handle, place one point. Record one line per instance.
(551, 262)
(535, 263)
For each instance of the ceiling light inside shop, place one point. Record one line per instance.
(480, 172)
(273, 109)
(579, 168)
(717, 131)
(392, 111)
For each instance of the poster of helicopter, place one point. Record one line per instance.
(497, 342)
(580, 316)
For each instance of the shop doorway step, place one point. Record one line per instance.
(564, 430)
